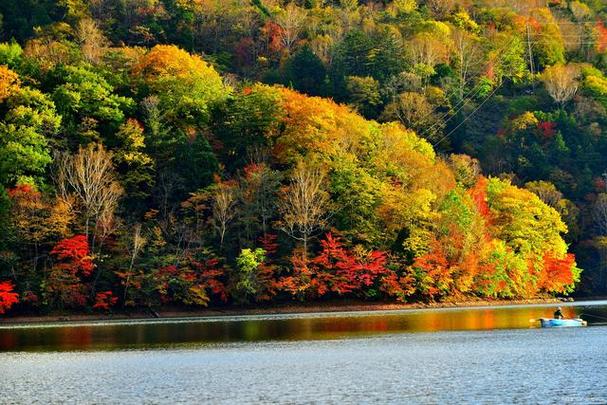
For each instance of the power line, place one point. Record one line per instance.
(474, 91)
(463, 103)
(465, 98)
(469, 116)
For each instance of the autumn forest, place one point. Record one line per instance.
(237, 152)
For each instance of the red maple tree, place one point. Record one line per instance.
(8, 297)
(64, 285)
(74, 256)
(105, 300)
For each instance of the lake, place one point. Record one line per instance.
(471, 355)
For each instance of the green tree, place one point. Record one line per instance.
(305, 72)
(90, 107)
(185, 85)
(363, 94)
(378, 54)
(246, 123)
(248, 263)
(26, 129)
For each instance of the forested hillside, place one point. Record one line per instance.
(215, 152)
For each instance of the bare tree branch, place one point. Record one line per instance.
(304, 205)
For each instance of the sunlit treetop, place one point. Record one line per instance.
(9, 82)
(164, 61)
(185, 84)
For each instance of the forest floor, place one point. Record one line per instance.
(285, 308)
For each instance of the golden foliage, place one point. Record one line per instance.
(170, 61)
(9, 82)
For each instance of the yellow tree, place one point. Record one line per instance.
(9, 83)
(92, 42)
(184, 83)
(561, 82)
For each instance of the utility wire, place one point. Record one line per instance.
(470, 115)
(465, 99)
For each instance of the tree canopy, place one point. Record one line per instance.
(209, 153)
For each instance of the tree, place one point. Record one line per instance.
(542, 27)
(249, 262)
(105, 300)
(224, 202)
(136, 168)
(26, 129)
(378, 53)
(73, 263)
(440, 8)
(363, 93)
(9, 83)
(523, 221)
(304, 204)
(341, 271)
(466, 169)
(89, 105)
(11, 54)
(5, 220)
(8, 298)
(137, 244)
(546, 191)
(185, 84)
(192, 281)
(257, 195)
(433, 273)
(291, 21)
(559, 274)
(21, 17)
(305, 72)
(415, 112)
(89, 177)
(507, 58)
(35, 222)
(561, 82)
(599, 214)
(580, 10)
(91, 39)
(426, 50)
(468, 58)
(600, 244)
(246, 123)
(356, 195)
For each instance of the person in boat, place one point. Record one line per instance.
(558, 314)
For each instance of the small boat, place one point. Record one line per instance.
(562, 323)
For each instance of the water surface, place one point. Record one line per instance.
(480, 355)
(507, 366)
(255, 328)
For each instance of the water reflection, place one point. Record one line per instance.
(297, 327)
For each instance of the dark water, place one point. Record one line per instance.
(486, 355)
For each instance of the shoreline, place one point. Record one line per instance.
(288, 308)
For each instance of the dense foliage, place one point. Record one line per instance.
(157, 152)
